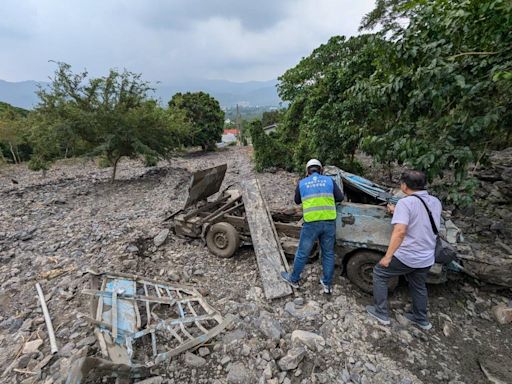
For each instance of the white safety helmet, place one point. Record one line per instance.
(313, 162)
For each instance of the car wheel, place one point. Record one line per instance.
(360, 270)
(222, 239)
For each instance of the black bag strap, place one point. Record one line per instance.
(434, 228)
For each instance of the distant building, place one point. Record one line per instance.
(232, 131)
(270, 128)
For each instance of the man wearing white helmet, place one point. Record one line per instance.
(318, 195)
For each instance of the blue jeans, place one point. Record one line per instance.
(325, 232)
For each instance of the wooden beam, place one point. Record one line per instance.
(266, 246)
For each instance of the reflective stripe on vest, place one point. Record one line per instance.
(317, 195)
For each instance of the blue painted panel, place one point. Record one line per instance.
(363, 224)
(126, 318)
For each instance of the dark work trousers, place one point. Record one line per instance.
(416, 277)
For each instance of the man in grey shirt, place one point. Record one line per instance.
(410, 251)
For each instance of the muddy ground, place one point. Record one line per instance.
(53, 229)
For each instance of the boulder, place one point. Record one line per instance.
(309, 339)
(270, 327)
(161, 237)
(193, 360)
(292, 359)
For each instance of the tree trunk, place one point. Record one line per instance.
(114, 170)
(13, 154)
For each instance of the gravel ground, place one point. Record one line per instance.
(75, 219)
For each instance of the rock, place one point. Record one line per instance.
(292, 359)
(161, 237)
(405, 336)
(238, 374)
(402, 320)
(269, 327)
(203, 351)
(173, 275)
(32, 346)
(267, 372)
(447, 329)
(152, 380)
(225, 360)
(89, 340)
(370, 367)
(132, 248)
(246, 350)
(193, 360)
(309, 339)
(502, 313)
(27, 325)
(234, 336)
(309, 311)
(67, 350)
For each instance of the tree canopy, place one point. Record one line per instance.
(110, 116)
(205, 116)
(432, 89)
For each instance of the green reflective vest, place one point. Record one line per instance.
(317, 195)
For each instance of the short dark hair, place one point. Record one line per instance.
(415, 180)
(314, 168)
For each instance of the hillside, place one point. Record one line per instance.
(252, 93)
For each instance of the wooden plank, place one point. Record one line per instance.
(266, 245)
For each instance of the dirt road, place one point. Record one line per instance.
(52, 230)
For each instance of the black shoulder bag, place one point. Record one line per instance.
(445, 253)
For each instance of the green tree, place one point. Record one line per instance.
(324, 119)
(269, 150)
(14, 146)
(443, 94)
(272, 117)
(432, 90)
(205, 116)
(110, 116)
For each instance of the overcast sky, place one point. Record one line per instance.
(166, 40)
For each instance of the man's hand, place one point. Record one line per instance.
(385, 261)
(391, 208)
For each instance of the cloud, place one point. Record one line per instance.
(170, 40)
(177, 14)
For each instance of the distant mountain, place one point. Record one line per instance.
(228, 93)
(20, 94)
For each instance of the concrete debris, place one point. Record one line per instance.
(113, 227)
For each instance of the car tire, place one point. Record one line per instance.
(223, 240)
(360, 270)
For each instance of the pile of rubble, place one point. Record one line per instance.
(53, 230)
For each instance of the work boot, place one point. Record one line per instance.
(286, 277)
(372, 311)
(425, 325)
(327, 288)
